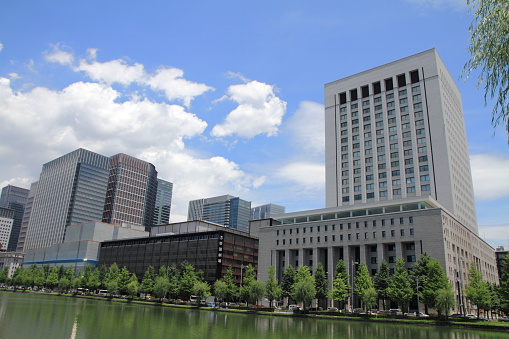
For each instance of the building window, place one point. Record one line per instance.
(370, 195)
(402, 232)
(411, 220)
(410, 189)
(410, 180)
(383, 234)
(411, 231)
(396, 191)
(395, 173)
(423, 158)
(383, 193)
(392, 221)
(393, 233)
(425, 187)
(392, 259)
(410, 258)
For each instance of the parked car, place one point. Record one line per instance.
(420, 314)
(458, 315)
(291, 307)
(211, 304)
(504, 319)
(395, 311)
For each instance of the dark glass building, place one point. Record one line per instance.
(14, 198)
(163, 202)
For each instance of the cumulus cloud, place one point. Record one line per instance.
(1, 46)
(489, 174)
(57, 55)
(311, 175)
(259, 111)
(495, 235)
(112, 71)
(307, 128)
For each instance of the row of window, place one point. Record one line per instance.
(349, 237)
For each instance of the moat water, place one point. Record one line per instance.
(24, 315)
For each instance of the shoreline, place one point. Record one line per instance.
(479, 326)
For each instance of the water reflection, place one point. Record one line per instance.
(35, 316)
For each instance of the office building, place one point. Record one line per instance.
(131, 194)
(210, 248)
(11, 260)
(6, 222)
(266, 211)
(26, 217)
(84, 186)
(398, 180)
(14, 198)
(225, 210)
(162, 207)
(397, 131)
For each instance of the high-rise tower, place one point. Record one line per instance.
(397, 131)
(14, 198)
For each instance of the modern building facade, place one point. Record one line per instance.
(225, 210)
(11, 260)
(162, 207)
(210, 248)
(131, 194)
(26, 217)
(266, 211)
(83, 186)
(15, 198)
(6, 223)
(397, 131)
(81, 245)
(398, 180)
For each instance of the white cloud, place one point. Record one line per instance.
(175, 87)
(490, 176)
(495, 235)
(59, 56)
(13, 76)
(1, 46)
(307, 128)
(112, 71)
(311, 175)
(259, 111)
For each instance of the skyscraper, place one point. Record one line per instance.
(84, 186)
(26, 218)
(163, 202)
(225, 210)
(6, 222)
(14, 198)
(397, 131)
(398, 181)
(71, 190)
(131, 194)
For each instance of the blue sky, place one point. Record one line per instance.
(223, 97)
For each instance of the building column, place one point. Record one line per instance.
(315, 259)
(380, 253)
(362, 257)
(399, 250)
(300, 257)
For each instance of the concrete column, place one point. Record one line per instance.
(399, 250)
(362, 257)
(300, 257)
(380, 253)
(287, 258)
(315, 259)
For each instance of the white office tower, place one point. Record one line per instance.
(396, 132)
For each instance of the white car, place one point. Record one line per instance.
(420, 314)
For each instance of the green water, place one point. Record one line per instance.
(25, 315)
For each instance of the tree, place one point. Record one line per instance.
(340, 272)
(477, 290)
(339, 290)
(321, 283)
(445, 300)
(256, 290)
(272, 289)
(435, 280)
(87, 274)
(30, 275)
(161, 287)
(133, 287)
(304, 287)
(4, 274)
(147, 283)
(400, 289)
(17, 277)
(124, 278)
(489, 50)
(40, 278)
(64, 284)
(288, 281)
(504, 284)
(174, 281)
(419, 275)
(112, 279)
(52, 280)
(188, 280)
(382, 281)
(363, 282)
(232, 287)
(93, 282)
(201, 289)
(369, 298)
(248, 278)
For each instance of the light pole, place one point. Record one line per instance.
(462, 305)
(352, 273)
(417, 281)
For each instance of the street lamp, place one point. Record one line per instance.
(352, 273)
(417, 281)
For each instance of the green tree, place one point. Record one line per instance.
(489, 50)
(64, 284)
(133, 287)
(4, 273)
(18, 277)
(103, 272)
(382, 281)
(201, 289)
(69, 272)
(94, 282)
(369, 298)
(123, 279)
(52, 280)
(340, 290)
(112, 286)
(272, 288)
(147, 283)
(244, 290)
(288, 281)
(304, 290)
(445, 300)
(174, 281)
(40, 278)
(163, 272)
(161, 287)
(30, 275)
(87, 274)
(232, 288)
(503, 289)
(188, 280)
(477, 290)
(363, 282)
(321, 284)
(220, 290)
(435, 280)
(256, 290)
(400, 288)
(418, 276)
(61, 272)
(341, 272)
(112, 279)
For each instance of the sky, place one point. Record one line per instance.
(223, 97)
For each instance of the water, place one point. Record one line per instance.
(24, 315)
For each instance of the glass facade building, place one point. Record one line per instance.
(162, 207)
(14, 198)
